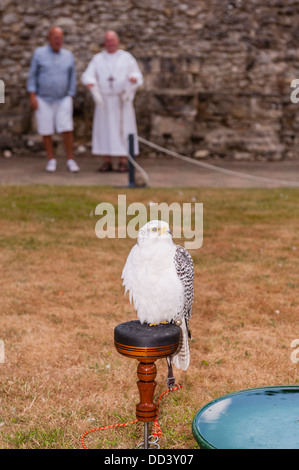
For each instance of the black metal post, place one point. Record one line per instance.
(131, 166)
(145, 435)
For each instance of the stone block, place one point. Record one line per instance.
(177, 129)
(201, 154)
(10, 18)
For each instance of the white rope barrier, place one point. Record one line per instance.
(138, 168)
(216, 168)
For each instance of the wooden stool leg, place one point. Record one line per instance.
(146, 410)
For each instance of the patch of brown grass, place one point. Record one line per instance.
(61, 298)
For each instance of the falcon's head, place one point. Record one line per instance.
(155, 230)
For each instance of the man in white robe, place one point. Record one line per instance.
(113, 77)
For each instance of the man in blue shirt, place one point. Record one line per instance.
(52, 86)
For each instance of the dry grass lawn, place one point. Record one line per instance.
(61, 298)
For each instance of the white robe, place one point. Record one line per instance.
(114, 118)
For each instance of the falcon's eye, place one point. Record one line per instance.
(154, 229)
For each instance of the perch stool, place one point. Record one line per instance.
(146, 344)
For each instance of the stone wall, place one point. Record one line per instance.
(217, 73)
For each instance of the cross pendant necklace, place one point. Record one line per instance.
(111, 80)
(110, 63)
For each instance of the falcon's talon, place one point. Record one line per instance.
(152, 324)
(170, 382)
(164, 322)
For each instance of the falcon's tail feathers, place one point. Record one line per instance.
(182, 359)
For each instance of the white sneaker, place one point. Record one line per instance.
(51, 165)
(72, 166)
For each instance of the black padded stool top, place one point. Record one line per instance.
(134, 333)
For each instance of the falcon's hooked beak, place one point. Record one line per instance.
(165, 229)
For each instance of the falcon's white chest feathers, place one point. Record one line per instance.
(152, 281)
